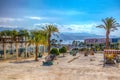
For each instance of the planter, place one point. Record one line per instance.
(110, 61)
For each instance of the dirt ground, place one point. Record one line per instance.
(82, 68)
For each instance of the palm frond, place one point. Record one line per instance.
(101, 26)
(110, 24)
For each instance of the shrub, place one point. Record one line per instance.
(54, 51)
(63, 50)
(109, 56)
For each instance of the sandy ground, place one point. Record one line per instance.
(79, 69)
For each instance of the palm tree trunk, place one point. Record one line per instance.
(4, 47)
(25, 50)
(49, 44)
(17, 50)
(36, 53)
(63, 55)
(44, 50)
(107, 40)
(25, 47)
(12, 50)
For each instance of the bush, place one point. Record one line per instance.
(54, 51)
(63, 50)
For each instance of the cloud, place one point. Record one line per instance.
(36, 18)
(41, 24)
(10, 19)
(75, 28)
(116, 33)
(81, 28)
(8, 26)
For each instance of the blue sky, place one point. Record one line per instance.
(69, 15)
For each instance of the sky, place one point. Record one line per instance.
(76, 16)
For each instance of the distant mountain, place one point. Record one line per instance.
(78, 36)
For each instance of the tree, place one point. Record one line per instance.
(50, 29)
(5, 34)
(61, 40)
(109, 24)
(14, 38)
(54, 51)
(24, 34)
(88, 45)
(60, 44)
(37, 39)
(74, 43)
(53, 42)
(91, 45)
(13, 34)
(44, 41)
(63, 50)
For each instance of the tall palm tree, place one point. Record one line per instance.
(44, 41)
(37, 39)
(109, 24)
(15, 36)
(50, 29)
(24, 34)
(4, 34)
(11, 36)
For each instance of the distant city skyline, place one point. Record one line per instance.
(72, 16)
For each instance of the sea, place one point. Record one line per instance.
(70, 41)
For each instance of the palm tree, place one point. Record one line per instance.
(37, 38)
(44, 41)
(24, 34)
(74, 43)
(50, 29)
(11, 34)
(53, 42)
(5, 34)
(15, 36)
(109, 24)
(60, 42)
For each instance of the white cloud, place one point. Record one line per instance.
(78, 28)
(116, 33)
(10, 19)
(41, 24)
(8, 26)
(36, 18)
(75, 28)
(81, 28)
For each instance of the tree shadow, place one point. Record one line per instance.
(25, 61)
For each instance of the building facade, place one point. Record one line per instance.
(101, 40)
